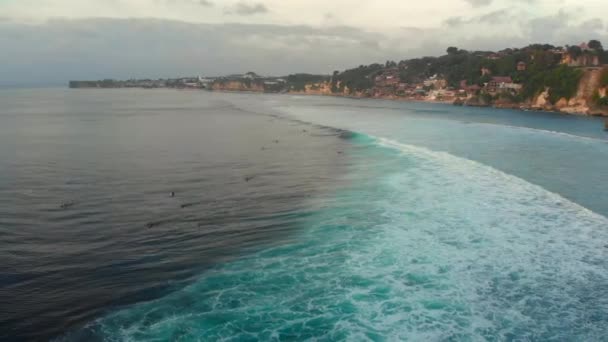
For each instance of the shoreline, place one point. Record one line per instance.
(522, 108)
(518, 107)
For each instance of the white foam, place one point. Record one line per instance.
(431, 247)
(453, 161)
(543, 131)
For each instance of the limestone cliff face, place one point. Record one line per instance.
(238, 86)
(581, 61)
(542, 100)
(325, 88)
(322, 88)
(582, 103)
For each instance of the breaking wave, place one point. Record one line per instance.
(423, 246)
(543, 131)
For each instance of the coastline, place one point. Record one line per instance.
(519, 107)
(525, 107)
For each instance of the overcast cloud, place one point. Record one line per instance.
(52, 41)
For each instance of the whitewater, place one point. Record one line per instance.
(424, 245)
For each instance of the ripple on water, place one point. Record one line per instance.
(432, 247)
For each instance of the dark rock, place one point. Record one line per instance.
(67, 205)
(153, 224)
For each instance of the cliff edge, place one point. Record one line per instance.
(583, 102)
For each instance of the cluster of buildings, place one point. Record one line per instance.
(179, 83)
(249, 81)
(245, 81)
(388, 83)
(435, 88)
(251, 77)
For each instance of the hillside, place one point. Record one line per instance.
(542, 77)
(571, 79)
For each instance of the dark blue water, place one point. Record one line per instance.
(297, 218)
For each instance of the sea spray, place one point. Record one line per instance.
(423, 246)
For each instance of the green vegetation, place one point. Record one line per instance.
(357, 79)
(562, 82)
(600, 101)
(604, 78)
(509, 97)
(486, 98)
(536, 67)
(298, 82)
(459, 65)
(533, 68)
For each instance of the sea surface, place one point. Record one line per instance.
(162, 215)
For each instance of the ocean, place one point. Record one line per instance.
(162, 215)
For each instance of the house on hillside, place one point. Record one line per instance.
(521, 66)
(435, 82)
(558, 50)
(493, 56)
(251, 76)
(388, 78)
(442, 95)
(499, 83)
(469, 89)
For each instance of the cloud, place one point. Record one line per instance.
(564, 28)
(204, 3)
(479, 3)
(455, 21)
(500, 16)
(483, 3)
(545, 28)
(125, 48)
(62, 49)
(595, 24)
(244, 8)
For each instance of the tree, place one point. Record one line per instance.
(389, 64)
(484, 79)
(452, 50)
(604, 78)
(596, 45)
(575, 51)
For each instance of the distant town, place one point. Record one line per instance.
(570, 79)
(270, 84)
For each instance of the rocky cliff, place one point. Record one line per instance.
(238, 86)
(582, 103)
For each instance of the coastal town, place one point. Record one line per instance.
(571, 79)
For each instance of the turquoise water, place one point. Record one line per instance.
(297, 218)
(424, 246)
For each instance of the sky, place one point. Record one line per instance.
(52, 41)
